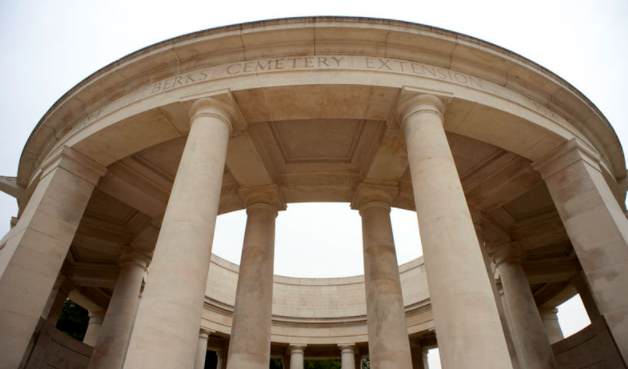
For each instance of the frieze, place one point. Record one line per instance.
(329, 322)
(324, 62)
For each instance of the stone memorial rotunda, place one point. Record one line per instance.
(518, 182)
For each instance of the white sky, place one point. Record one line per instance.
(49, 46)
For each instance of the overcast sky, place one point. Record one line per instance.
(49, 46)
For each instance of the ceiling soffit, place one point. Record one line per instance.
(317, 145)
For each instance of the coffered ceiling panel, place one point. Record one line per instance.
(322, 144)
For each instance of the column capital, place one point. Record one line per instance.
(297, 348)
(205, 332)
(263, 196)
(565, 155)
(347, 348)
(131, 255)
(96, 317)
(213, 108)
(371, 194)
(510, 252)
(75, 163)
(413, 103)
(548, 313)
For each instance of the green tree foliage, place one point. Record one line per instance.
(276, 364)
(73, 320)
(366, 363)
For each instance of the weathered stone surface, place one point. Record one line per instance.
(304, 110)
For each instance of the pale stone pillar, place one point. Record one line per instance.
(93, 329)
(35, 248)
(201, 349)
(552, 327)
(172, 302)
(347, 356)
(387, 331)
(223, 355)
(111, 346)
(297, 353)
(249, 347)
(467, 323)
(424, 353)
(533, 346)
(478, 222)
(597, 228)
(221, 362)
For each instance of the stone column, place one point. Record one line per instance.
(172, 302)
(552, 327)
(597, 228)
(35, 248)
(221, 361)
(111, 346)
(249, 347)
(347, 356)
(387, 331)
(296, 356)
(478, 222)
(533, 346)
(93, 329)
(467, 323)
(201, 349)
(424, 354)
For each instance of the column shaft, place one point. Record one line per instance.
(533, 347)
(111, 346)
(347, 356)
(93, 328)
(201, 350)
(220, 361)
(249, 347)
(465, 314)
(35, 248)
(552, 327)
(597, 228)
(389, 346)
(296, 356)
(166, 329)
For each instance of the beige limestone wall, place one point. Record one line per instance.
(316, 310)
(586, 349)
(64, 352)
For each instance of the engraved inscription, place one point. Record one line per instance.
(285, 63)
(545, 111)
(421, 69)
(179, 81)
(317, 62)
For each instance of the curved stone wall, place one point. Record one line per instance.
(316, 310)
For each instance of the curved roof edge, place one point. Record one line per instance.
(313, 20)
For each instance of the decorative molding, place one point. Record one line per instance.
(330, 322)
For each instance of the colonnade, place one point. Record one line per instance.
(164, 333)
